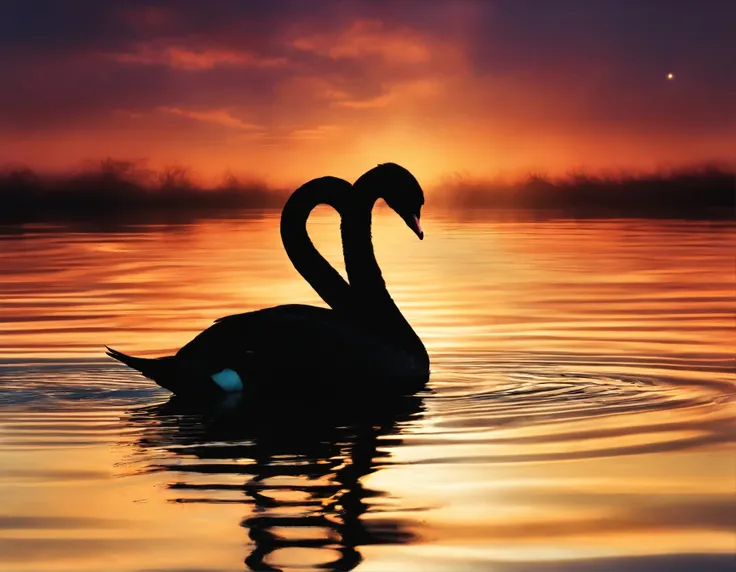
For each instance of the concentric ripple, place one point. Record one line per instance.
(558, 410)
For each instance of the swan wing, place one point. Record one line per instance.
(285, 346)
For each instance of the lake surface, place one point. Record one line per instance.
(579, 416)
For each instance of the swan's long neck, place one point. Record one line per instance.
(379, 311)
(307, 260)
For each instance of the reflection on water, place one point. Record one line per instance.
(301, 472)
(580, 413)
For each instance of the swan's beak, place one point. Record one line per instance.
(416, 226)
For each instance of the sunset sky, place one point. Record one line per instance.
(291, 89)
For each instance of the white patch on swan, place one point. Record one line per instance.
(228, 380)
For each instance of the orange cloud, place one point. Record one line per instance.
(318, 132)
(222, 117)
(366, 38)
(409, 92)
(183, 58)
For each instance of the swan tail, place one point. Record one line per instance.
(161, 370)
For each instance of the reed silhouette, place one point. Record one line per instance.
(114, 191)
(124, 191)
(694, 192)
(323, 453)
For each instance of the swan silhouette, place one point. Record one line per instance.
(363, 345)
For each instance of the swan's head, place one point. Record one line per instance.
(401, 191)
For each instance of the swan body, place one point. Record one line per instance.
(363, 345)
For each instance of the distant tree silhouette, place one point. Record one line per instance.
(117, 188)
(706, 189)
(124, 189)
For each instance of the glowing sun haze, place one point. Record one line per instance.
(290, 89)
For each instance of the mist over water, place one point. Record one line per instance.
(579, 416)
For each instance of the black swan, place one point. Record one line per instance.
(363, 345)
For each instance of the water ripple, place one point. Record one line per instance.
(582, 396)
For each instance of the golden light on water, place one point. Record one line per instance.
(581, 396)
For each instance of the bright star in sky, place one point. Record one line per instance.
(670, 76)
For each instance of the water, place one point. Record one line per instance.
(580, 413)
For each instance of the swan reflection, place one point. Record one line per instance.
(302, 472)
